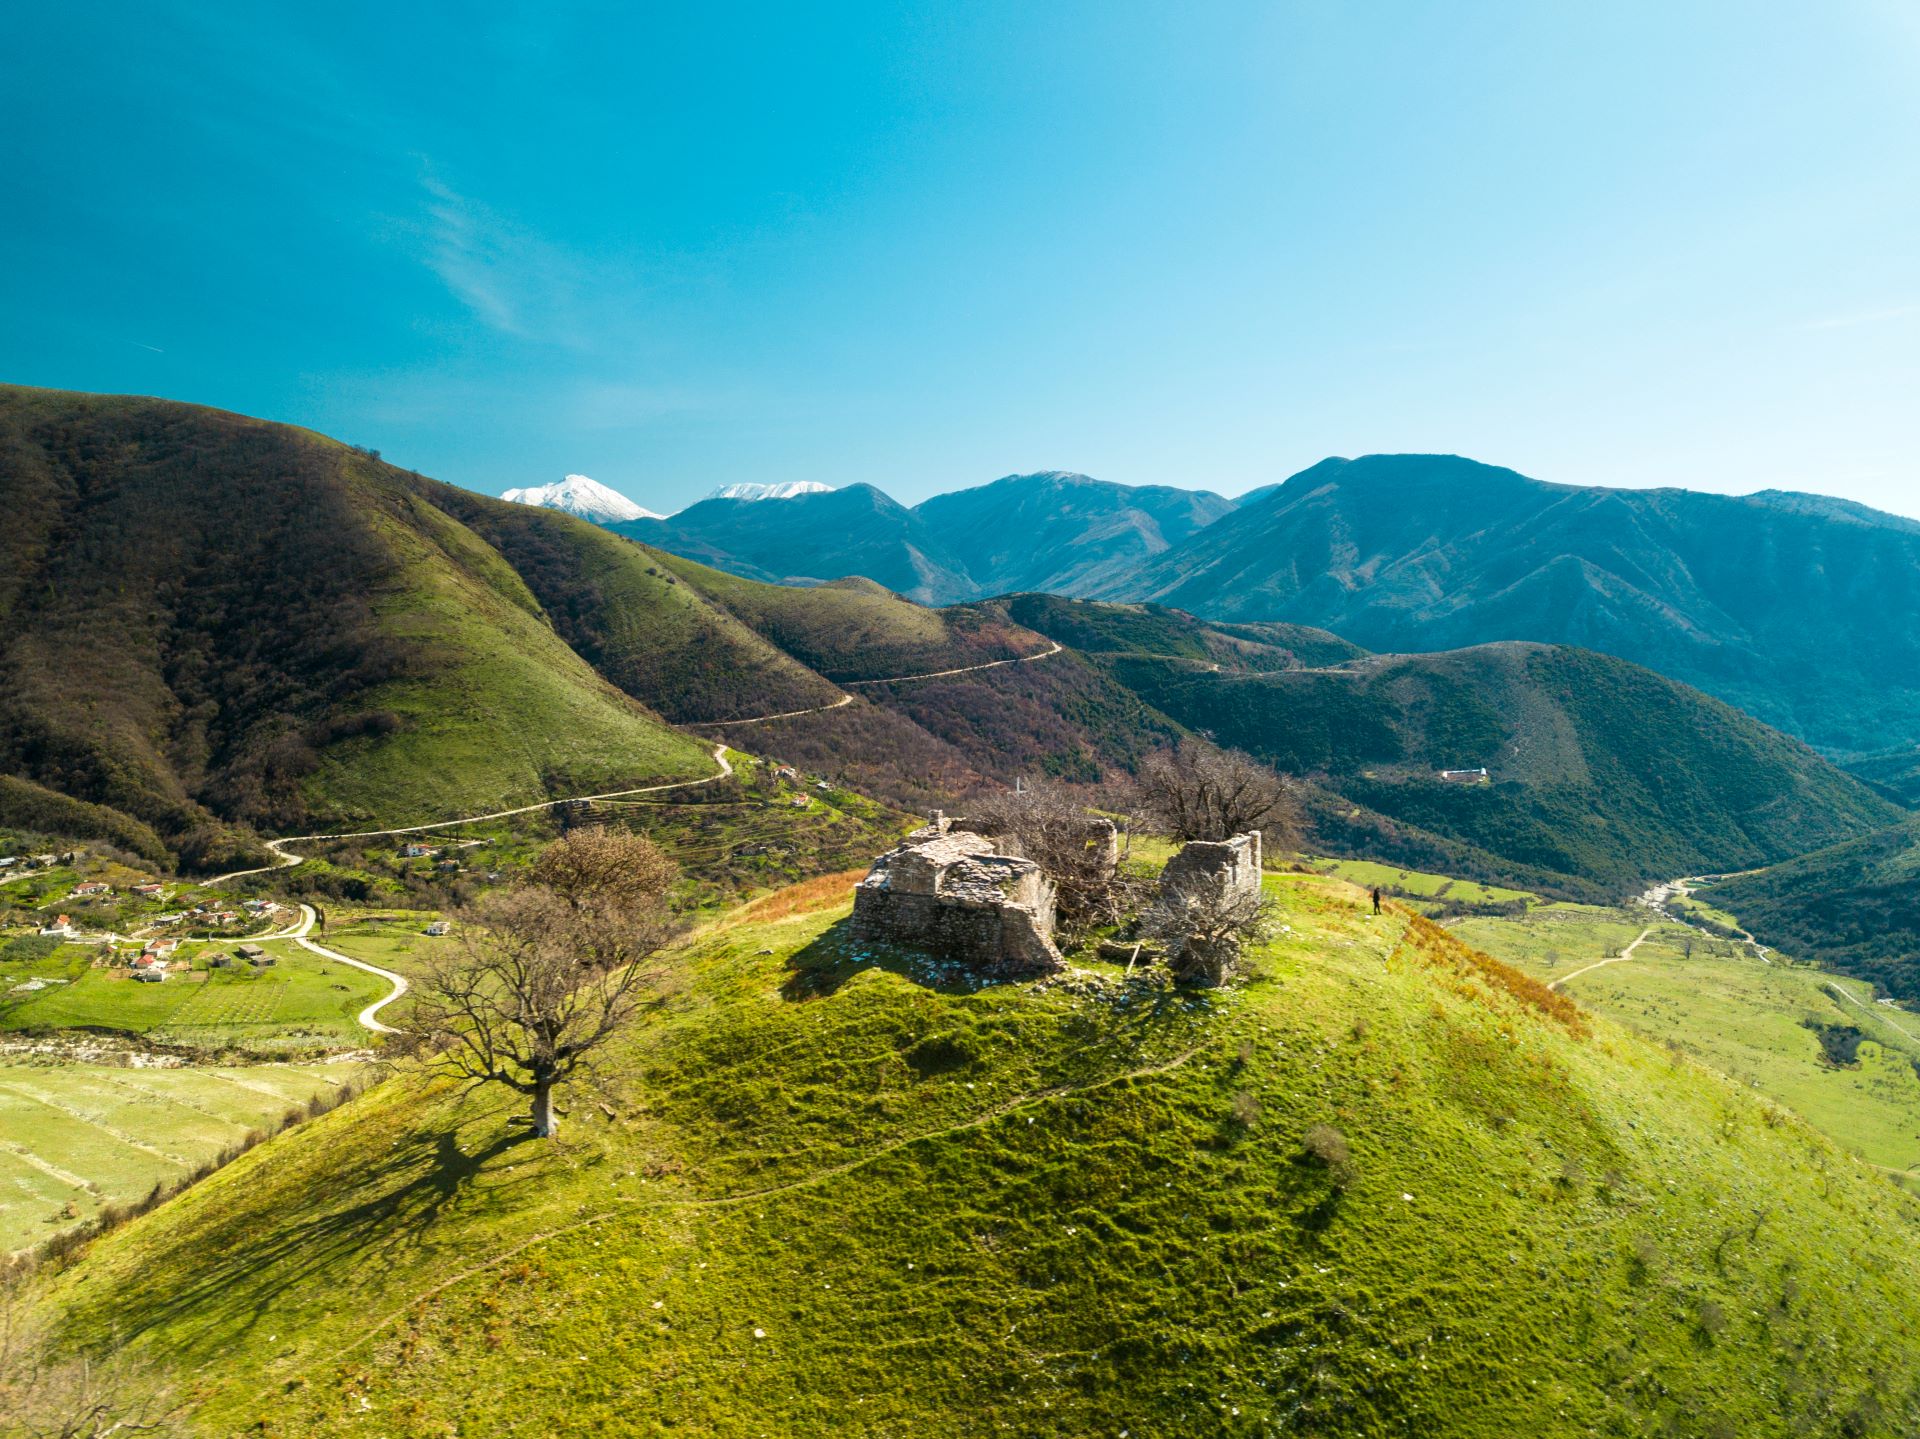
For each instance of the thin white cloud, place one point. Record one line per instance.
(512, 279)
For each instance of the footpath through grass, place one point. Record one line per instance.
(829, 1189)
(1849, 1066)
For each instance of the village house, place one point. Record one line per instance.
(150, 889)
(437, 928)
(62, 926)
(415, 851)
(151, 976)
(787, 772)
(91, 887)
(9, 861)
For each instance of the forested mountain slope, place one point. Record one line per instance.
(208, 620)
(1598, 769)
(1801, 610)
(1062, 532)
(1854, 906)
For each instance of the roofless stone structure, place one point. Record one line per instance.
(952, 893)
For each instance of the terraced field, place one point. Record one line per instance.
(75, 1137)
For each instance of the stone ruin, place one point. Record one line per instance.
(954, 893)
(1228, 866)
(1209, 869)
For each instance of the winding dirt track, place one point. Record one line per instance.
(287, 859)
(846, 700)
(1619, 958)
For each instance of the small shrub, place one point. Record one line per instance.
(1246, 1108)
(1328, 1146)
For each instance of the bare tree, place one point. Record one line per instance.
(547, 974)
(1055, 827)
(1204, 927)
(1196, 791)
(43, 1396)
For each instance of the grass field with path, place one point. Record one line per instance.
(1760, 1023)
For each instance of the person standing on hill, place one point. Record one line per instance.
(1376, 899)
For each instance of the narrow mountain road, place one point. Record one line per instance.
(1622, 957)
(846, 700)
(367, 1017)
(1878, 1011)
(286, 859)
(963, 670)
(1657, 897)
(840, 703)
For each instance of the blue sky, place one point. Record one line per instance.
(1206, 245)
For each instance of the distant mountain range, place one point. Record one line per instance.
(211, 625)
(1801, 609)
(1051, 531)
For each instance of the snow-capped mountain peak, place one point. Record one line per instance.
(578, 495)
(779, 490)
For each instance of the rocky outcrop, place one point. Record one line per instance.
(952, 893)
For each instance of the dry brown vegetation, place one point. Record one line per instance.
(1438, 947)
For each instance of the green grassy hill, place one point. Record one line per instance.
(857, 630)
(818, 1193)
(209, 621)
(1600, 771)
(632, 614)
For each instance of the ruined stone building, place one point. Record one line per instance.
(1227, 866)
(953, 893)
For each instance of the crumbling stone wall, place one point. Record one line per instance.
(952, 893)
(1100, 838)
(1229, 866)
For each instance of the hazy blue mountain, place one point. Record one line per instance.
(1063, 532)
(1803, 610)
(814, 537)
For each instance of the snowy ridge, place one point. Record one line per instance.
(587, 498)
(779, 490)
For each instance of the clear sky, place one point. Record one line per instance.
(1645, 242)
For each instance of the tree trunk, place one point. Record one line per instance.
(544, 1122)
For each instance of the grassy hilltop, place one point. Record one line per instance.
(821, 1191)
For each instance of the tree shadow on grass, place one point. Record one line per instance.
(822, 966)
(224, 1277)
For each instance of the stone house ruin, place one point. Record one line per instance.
(1228, 867)
(1209, 902)
(953, 893)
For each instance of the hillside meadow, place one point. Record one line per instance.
(1385, 1185)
